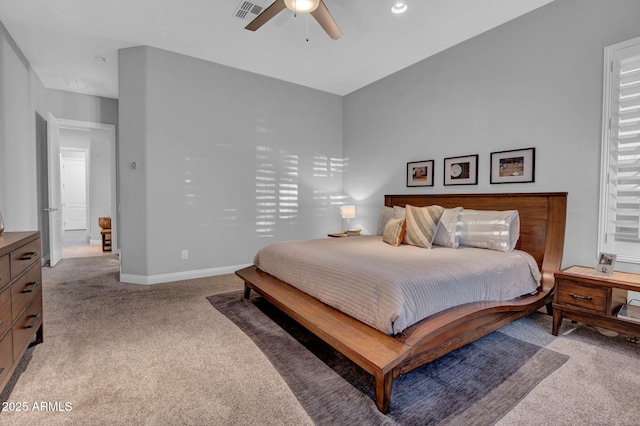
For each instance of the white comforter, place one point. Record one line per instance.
(391, 288)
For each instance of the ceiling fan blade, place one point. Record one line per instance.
(271, 11)
(326, 21)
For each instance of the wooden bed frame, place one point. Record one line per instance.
(542, 228)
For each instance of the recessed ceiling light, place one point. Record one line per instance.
(100, 59)
(398, 8)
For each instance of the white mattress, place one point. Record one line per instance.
(391, 288)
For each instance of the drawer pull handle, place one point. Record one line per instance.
(34, 320)
(577, 296)
(30, 287)
(29, 256)
(1, 323)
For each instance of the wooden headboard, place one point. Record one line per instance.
(542, 219)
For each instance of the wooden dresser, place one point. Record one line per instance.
(20, 298)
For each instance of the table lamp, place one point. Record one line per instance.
(348, 212)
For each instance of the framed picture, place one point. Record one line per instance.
(513, 166)
(605, 263)
(420, 173)
(461, 170)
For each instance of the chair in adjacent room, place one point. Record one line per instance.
(105, 231)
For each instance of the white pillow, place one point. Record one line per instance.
(386, 214)
(448, 233)
(422, 223)
(494, 230)
(399, 212)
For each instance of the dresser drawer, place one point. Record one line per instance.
(5, 311)
(6, 356)
(23, 257)
(582, 295)
(24, 329)
(5, 271)
(24, 289)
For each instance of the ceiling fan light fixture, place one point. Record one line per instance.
(399, 8)
(302, 6)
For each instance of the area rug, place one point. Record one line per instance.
(474, 385)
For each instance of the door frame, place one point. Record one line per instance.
(111, 130)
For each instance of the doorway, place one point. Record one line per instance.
(83, 154)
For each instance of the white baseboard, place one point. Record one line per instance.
(178, 276)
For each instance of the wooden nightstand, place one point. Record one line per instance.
(581, 294)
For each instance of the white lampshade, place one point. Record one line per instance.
(302, 6)
(348, 212)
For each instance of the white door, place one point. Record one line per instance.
(74, 194)
(55, 219)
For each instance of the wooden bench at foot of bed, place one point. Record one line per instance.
(542, 219)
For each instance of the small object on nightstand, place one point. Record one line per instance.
(605, 264)
(629, 313)
(353, 232)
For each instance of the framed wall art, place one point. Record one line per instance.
(461, 170)
(515, 166)
(420, 173)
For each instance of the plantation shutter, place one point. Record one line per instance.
(622, 189)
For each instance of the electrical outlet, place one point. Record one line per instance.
(185, 254)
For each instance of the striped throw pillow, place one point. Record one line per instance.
(394, 232)
(422, 223)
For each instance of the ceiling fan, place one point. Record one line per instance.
(316, 8)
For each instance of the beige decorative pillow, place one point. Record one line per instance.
(493, 230)
(422, 223)
(394, 232)
(386, 214)
(448, 234)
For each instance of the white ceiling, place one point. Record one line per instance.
(61, 38)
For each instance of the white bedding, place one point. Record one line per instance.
(391, 288)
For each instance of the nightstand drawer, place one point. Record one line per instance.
(582, 295)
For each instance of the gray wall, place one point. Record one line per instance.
(226, 162)
(535, 81)
(21, 95)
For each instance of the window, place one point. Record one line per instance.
(619, 228)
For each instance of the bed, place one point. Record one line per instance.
(388, 354)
